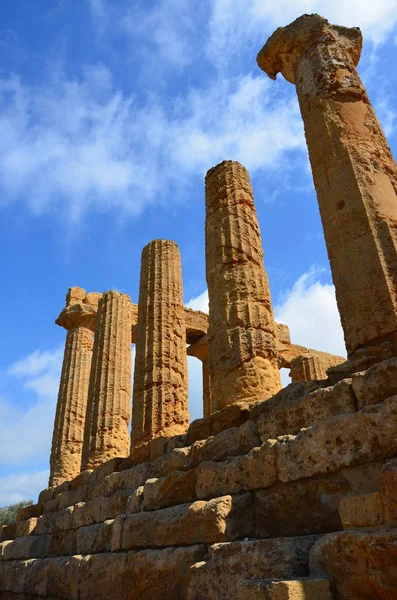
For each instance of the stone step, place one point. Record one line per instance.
(278, 558)
(122, 575)
(273, 589)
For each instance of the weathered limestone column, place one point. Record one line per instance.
(241, 333)
(68, 435)
(354, 172)
(159, 405)
(312, 365)
(199, 349)
(109, 396)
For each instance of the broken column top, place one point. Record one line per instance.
(286, 46)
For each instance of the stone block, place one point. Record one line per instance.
(218, 576)
(157, 447)
(33, 546)
(284, 397)
(46, 495)
(81, 479)
(62, 543)
(300, 589)
(339, 442)
(146, 574)
(95, 538)
(376, 384)
(180, 459)
(107, 468)
(200, 429)
(86, 513)
(62, 577)
(135, 501)
(129, 479)
(362, 511)
(24, 528)
(3, 546)
(300, 507)
(230, 442)
(257, 469)
(361, 564)
(177, 441)
(296, 413)
(176, 488)
(27, 512)
(232, 415)
(220, 519)
(110, 507)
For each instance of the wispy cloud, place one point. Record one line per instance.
(22, 486)
(27, 431)
(83, 144)
(232, 24)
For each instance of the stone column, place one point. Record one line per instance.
(199, 349)
(109, 396)
(159, 405)
(313, 366)
(68, 435)
(241, 333)
(354, 172)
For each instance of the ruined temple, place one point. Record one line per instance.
(275, 493)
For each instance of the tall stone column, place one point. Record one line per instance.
(68, 435)
(109, 396)
(160, 379)
(354, 172)
(241, 333)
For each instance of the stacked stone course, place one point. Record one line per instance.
(276, 493)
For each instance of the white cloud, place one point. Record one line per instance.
(35, 363)
(310, 311)
(233, 23)
(83, 144)
(22, 486)
(200, 302)
(27, 430)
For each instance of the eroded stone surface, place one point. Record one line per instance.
(218, 576)
(360, 564)
(241, 333)
(313, 366)
(109, 396)
(160, 377)
(354, 172)
(68, 434)
(225, 518)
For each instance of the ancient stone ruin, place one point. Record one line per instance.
(275, 493)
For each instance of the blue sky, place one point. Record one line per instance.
(111, 112)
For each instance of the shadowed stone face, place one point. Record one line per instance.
(354, 172)
(241, 334)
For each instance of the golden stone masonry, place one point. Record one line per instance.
(275, 493)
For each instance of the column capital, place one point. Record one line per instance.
(284, 49)
(77, 315)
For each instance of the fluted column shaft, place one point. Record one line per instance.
(68, 434)
(354, 172)
(109, 396)
(241, 333)
(160, 376)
